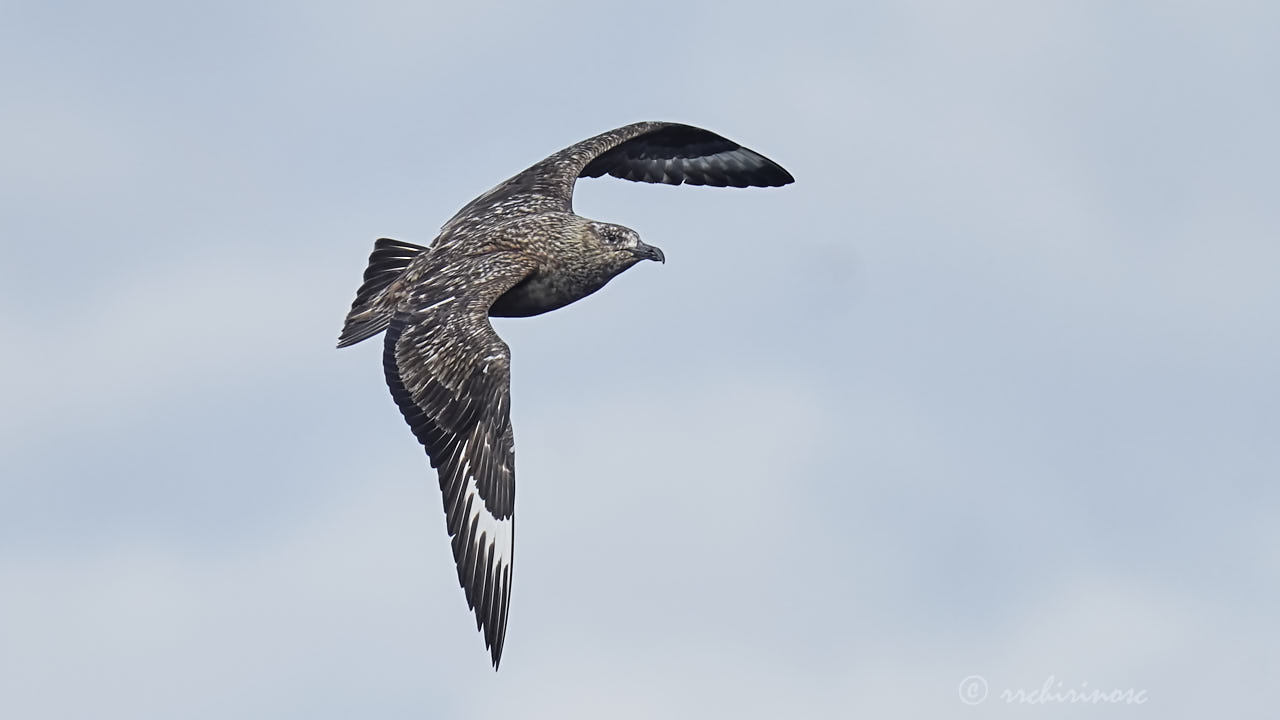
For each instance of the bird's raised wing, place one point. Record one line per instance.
(675, 154)
(654, 152)
(450, 374)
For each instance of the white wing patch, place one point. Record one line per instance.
(491, 540)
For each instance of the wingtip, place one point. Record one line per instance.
(495, 651)
(774, 174)
(783, 178)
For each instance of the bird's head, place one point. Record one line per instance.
(622, 244)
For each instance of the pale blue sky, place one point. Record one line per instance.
(991, 390)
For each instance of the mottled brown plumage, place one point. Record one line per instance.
(517, 250)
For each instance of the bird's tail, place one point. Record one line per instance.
(367, 317)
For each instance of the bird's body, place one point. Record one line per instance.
(516, 251)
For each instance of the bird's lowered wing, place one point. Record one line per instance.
(450, 374)
(654, 152)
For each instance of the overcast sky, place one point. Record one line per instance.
(991, 390)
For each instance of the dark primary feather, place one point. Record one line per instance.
(677, 154)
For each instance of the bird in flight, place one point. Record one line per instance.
(515, 251)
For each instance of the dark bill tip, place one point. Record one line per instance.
(649, 252)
